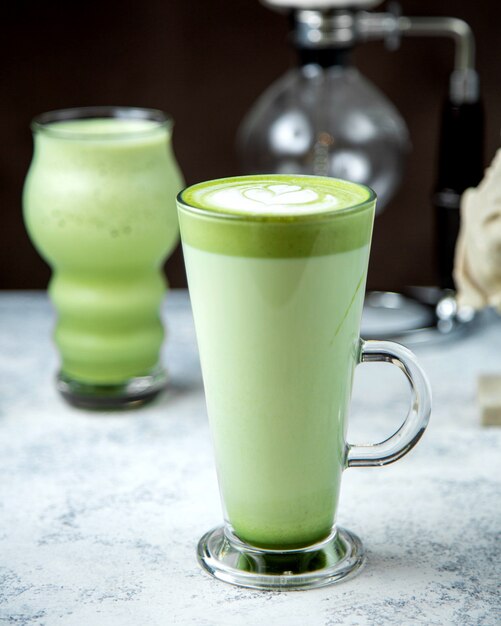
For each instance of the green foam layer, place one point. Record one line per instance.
(348, 226)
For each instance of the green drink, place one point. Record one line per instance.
(277, 267)
(288, 359)
(99, 206)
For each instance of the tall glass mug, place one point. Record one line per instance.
(277, 267)
(99, 205)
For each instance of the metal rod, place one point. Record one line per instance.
(452, 27)
(464, 81)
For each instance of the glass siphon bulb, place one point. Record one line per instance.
(326, 121)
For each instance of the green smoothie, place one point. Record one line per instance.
(99, 206)
(277, 267)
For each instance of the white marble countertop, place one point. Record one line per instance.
(100, 513)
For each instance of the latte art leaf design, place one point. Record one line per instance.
(280, 194)
(271, 199)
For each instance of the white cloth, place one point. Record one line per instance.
(477, 271)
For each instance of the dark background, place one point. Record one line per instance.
(205, 62)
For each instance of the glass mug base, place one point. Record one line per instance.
(340, 556)
(129, 394)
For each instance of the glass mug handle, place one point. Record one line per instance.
(409, 433)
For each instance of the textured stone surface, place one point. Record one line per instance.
(100, 513)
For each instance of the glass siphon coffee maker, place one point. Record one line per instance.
(324, 118)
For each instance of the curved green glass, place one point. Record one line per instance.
(99, 205)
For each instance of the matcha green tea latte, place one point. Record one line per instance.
(277, 267)
(99, 204)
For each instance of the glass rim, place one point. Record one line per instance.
(46, 123)
(277, 218)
